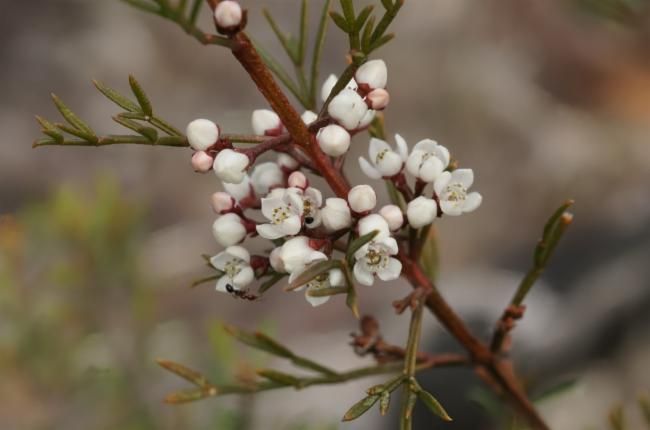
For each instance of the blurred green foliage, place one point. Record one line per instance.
(80, 324)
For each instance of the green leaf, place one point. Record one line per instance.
(348, 10)
(144, 5)
(429, 256)
(115, 97)
(340, 21)
(50, 129)
(139, 93)
(411, 399)
(279, 377)
(259, 341)
(312, 272)
(274, 279)
(434, 405)
(357, 244)
(319, 42)
(351, 301)
(384, 403)
(366, 36)
(185, 372)
(553, 231)
(325, 292)
(190, 395)
(148, 132)
(75, 132)
(388, 4)
(205, 280)
(381, 42)
(74, 120)
(302, 41)
(194, 11)
(360, 408)
(363, 16)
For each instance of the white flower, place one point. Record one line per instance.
(367, 119)
(312, 200)
(336, 214)
(393, 216)
(427, 160)
(374, 222)
(362, 198)
(201, 162)
(228, 14)
(372, 74)
(266, 122)
(275, 259)
(295, 255)
(284, 213)
(202, 134)
(297, 180)
(332, 278)
(384, 161)
(241, 190)
(228, 229)
(234, 262)
(421, 211)
(378, 99)
(287, 162)
(451, 189)
(329, 83)
(374, 258)
(348, 109)
(308, 117)
(334, 140)
(230, 166)
(266, 176)
(222, 202)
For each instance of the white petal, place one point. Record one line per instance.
(425, 145)
(368, 169)
(336, 278)
(270, 204)
(327, 87)
(362, 276)
(375, 147)
(431, 169)
(221, 284)
(414, 161)
(315, 196)
(361, 252)
(391, 245)
(314, 256)
(269, 231)
(450, 208)
(291, 225)
(472, 202)
(392, 270)
(441, 182)
(244, 277)
(443, 154)
(465, 177)
(239, 252)
(316, 301)
(219, 261)
(390, 164)
(402, 147)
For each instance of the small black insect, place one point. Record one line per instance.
(309, 220)
(241, 294)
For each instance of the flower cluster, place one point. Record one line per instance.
(275, 200)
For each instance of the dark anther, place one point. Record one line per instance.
(309, 220)
(230, 288)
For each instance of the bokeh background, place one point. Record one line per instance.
(546, 100)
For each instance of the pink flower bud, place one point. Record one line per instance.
(222, 202)
(298, 180)
(393, 216)
(228, 14)
(266, 123)
(362, 198)
(201, 162)
(372, 75)
(378, 99)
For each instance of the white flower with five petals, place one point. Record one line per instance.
(295, 255)
(234, 262)
(284, 211)
(384, 161)
(451, 188)
(427, 160)
(374, 259)
(312, 200)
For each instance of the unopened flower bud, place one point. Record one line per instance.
(228, 14)
(362, 198)
(336, 214)
(308, 117)
(230, 166)
(228, 230)
(378, 99)
(348, 108)
(372, 75)
(329, 84)
(201, 161)
(374, 222)
(333, 140)
(222, 202)
(202, 134)
(298, 180)
(266, 176)
(287, 162)
(266, 123)
(421, 211)
(393, 216)
(275, 259)
(367, 119)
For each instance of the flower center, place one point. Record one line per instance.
(280, 214)
(455, 193)
(319, 281)
(381, 155)
(376, 258)
(232, 267)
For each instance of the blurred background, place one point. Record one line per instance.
(546, 100)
